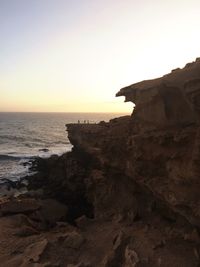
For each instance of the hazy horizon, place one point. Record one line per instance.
(68, 112)
(73, 56)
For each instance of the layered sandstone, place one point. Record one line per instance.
(172, 100)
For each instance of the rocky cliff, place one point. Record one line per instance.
(158, 146)
(172, 100)
(148, 163)
(128, 193)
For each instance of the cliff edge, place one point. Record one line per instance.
(172, 100)
(126, 195)
(147, 164)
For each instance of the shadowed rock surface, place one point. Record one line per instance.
(128, 193)
(172, 100)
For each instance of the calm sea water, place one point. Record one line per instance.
(26, 135)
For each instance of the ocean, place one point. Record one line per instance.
(24, 136)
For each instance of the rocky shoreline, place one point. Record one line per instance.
(126, 195)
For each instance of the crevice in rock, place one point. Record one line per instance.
(63, 178)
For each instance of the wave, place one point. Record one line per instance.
(41, 152)
(12, 138)
(21, 138)
(14, 157)
(8, 157)
(61, 142)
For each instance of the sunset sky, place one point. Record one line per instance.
(74, 55)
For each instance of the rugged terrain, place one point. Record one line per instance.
(128, 193)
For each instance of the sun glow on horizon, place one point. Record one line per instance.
(62, 56)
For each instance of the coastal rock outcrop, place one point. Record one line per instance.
(148, 162)
(172, 100)
(126, 195)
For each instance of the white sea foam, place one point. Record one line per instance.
(24, 136)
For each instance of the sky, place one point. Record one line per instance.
(74, 56)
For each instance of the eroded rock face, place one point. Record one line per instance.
(165, 163)
(149, 162)
(172, 100)
(128, 193)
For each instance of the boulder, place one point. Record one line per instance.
(26, 231)
(50, 212)
(34, 251)
(14, 206)
(72, 240)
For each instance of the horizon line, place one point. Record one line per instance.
(103, 112)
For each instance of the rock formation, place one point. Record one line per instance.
(172, 100)
(128, 193)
